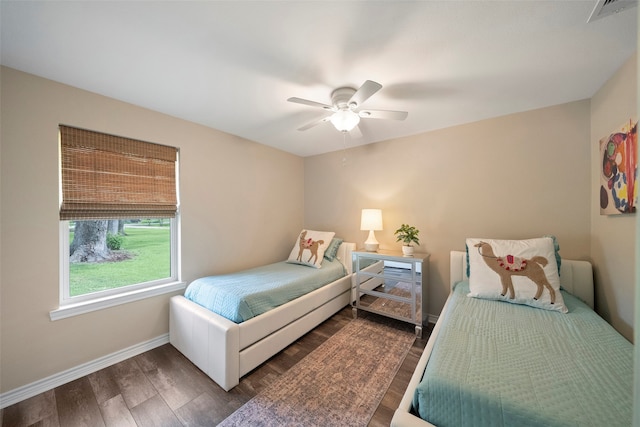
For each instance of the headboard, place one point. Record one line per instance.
(576, 277)
(345, 255)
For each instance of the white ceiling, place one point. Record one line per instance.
(231, 65)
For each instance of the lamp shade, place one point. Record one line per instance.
(371, 219)
(345, 120)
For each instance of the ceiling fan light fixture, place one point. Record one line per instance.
(345, 120)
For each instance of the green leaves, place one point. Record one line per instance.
(407, 234)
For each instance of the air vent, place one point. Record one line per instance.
(609, 7)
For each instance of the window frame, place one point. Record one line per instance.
(80, 304)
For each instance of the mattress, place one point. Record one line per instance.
(500, 364)
(243, 295)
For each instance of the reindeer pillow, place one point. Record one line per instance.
(310, 247)
(516, 271)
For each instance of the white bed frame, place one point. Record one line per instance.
(576, 277)
(226, 351)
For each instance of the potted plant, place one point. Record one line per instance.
(407, 235)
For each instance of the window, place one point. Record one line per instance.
(119, 220)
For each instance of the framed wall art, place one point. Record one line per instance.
(619, 171)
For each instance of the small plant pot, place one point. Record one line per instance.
(407, 250)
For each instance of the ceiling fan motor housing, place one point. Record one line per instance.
(341, 96)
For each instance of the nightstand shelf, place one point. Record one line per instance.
(397, 290)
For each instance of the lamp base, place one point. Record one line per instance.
(371, 247)
(371, 244)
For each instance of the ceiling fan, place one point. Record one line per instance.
(345, 112)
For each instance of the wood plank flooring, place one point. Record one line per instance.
(162, 388)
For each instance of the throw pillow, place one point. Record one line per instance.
(555, 245)
(516, 271)
(332, 249)
(310, 247)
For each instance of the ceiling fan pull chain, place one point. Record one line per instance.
(344, 149)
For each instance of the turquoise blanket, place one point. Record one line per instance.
(500, 364)
(249, 293)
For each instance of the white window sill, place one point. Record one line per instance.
(69, 310)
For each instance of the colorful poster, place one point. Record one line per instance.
(619, 171)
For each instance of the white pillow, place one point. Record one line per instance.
(516, 271)
(310, 247)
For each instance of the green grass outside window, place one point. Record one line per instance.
(151, 250)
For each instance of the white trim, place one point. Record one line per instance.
(432, 318)
(67, 299)
(69, 310)
(21, 393)
(63, 230)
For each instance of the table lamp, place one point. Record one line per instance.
(371, 220)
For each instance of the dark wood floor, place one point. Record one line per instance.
(162, 388)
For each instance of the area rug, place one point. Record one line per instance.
(397, 308)
(340, 383)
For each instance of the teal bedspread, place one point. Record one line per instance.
(249, 293)
(500, 364)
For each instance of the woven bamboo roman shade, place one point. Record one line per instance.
(111, 177)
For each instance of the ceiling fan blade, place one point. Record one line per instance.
(383, 114)
(310, 103)
(316, 122)
(367, 89)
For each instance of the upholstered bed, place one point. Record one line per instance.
(495, 363)
(226, 350)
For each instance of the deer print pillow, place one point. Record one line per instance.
(516, 271)
(310, 247)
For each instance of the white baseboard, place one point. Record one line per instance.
(432, 318)
(21, 393)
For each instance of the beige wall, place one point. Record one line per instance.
(240, 200)
(518, 176)
(613, 237)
